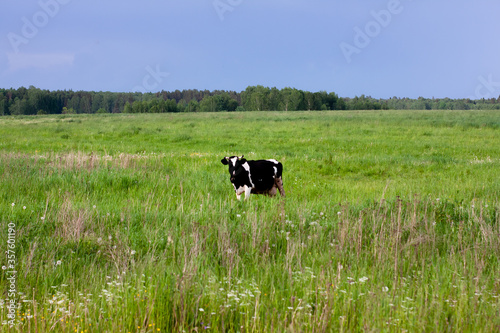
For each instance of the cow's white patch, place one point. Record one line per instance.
(273, 160)
(275, 172)
(234, 160)
(240, 190)
(243, 189)
(246, 166)
(248, 191)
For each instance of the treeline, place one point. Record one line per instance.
(32, 101)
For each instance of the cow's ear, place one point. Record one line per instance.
(225, 161)
(242, 160)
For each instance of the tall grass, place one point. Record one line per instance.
(129, 223)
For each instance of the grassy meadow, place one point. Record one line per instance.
(129, 223)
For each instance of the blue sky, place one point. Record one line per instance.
(404, 48)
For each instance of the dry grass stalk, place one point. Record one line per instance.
(30, 258)
(74, 223)
(228, 250)
(80, 160)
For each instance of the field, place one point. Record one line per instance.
(128, 223)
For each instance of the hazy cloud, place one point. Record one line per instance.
(19, 61)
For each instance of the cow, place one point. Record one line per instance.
(258, 177)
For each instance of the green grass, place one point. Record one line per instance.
(128, 223)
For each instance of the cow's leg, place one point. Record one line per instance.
(279, 183)
(248, 191)
(239, 191)
(272, 192)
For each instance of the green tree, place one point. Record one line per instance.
(154, 106)
(208, 104)
(66, 110)
(255, 98)
(139, 107)
(171, 105)
(34, 100)
(332, 101)
(97, 102)
(18, 107)
(291, 99)
(85, 104)
(313, 101)
(232, 104)
(193, 106)
(74, 102)
(274, 99)
(2, 105)
(126, 109)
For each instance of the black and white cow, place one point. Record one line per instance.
(259, 177)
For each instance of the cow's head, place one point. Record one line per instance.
(235, 165)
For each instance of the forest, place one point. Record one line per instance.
(35, 101)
